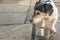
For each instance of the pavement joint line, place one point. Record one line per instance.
(13, 12)
(15, 24)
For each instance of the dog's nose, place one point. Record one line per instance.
(31, 20)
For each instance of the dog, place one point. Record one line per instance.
(45, 8)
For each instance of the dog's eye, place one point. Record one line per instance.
(38, 13)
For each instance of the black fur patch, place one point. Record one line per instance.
(47, 8)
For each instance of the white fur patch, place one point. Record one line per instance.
(36, 20)
(43, 23)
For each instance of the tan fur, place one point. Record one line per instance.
(42, 14)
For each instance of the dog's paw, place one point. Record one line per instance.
(54, 30)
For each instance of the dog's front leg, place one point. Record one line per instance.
(53, 25)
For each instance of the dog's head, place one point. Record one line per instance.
(40, 11)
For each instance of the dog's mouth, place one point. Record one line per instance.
(36, 20)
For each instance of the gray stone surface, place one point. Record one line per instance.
(58, 30)
(14, 5)
(13, 11)
(58, 18)
(12, 18)
(15, 32)
(58, 6)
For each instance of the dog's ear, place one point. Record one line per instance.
(39, 7)
(48, 8)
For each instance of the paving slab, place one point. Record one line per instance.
(12, 18)
(13, 11)
(15, 32)
(14, 5)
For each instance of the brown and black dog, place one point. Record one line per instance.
(45, 9)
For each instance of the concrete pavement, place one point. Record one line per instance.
(14, 5)
(12, 17)
(15, 32)
(13, 11)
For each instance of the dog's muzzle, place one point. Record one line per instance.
(35, 20)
